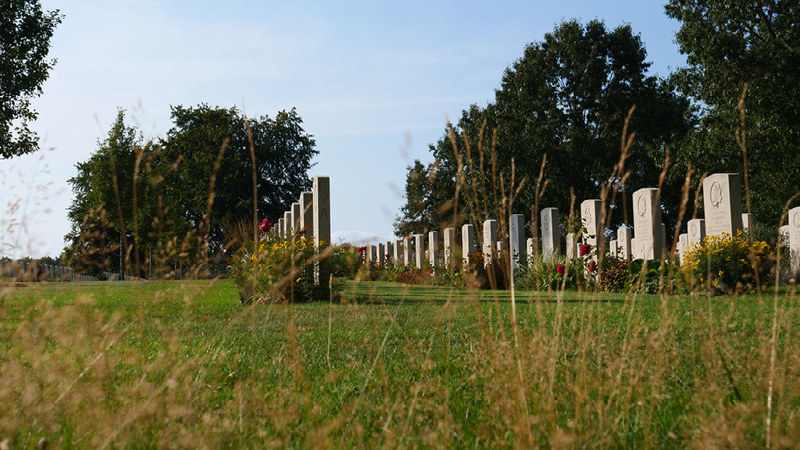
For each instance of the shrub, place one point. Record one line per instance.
(282, 270)
(728, 264)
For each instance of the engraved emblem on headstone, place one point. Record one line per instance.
(715, 194)
(641, 206)
(797, 220)
(694, 230)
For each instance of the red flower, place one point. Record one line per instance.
(560, 269)
(265, 225)
(592, 266)
(585, 249)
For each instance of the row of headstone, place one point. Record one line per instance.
(30, 271)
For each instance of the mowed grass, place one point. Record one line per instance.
(183, 364)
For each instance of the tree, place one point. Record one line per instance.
(567, 99)
(730, 44)
(152, 200)
(25, 32)
(283, 153)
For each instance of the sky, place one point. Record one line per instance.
(374, 82)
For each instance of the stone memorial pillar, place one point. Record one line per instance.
(722, 201)
(433, 248)
(647, 224)
(572, 246)
(612, 248)
(516, 240)
(287, 224)
(551, 232)
(419, 249)
(624, 244)
(280, 228)
(449, 245)
(489, 240)
(307, 213)
(590, 218)
(467, 241)
(794, 238)
(529, 250)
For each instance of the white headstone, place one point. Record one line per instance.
(387, 250)
(500, 246)
(624, 244)
(287, 224)
(467, 241)
(647, 224)
(747, 222)
(590, 218)
(683, 246)
(529, 248)
(419, 249)
(449, 245)
(433, 248)
(489, 240)
(516, 239)
(322, 210)
(307, 213)
(281, 228)
(397, 254)
(783, 237)
(571, 245)
(696, 231)
(794, 238)
(295, 215)
(381, 253)
(551, 232)
(407, 251)
(722, 201)
(612, 248)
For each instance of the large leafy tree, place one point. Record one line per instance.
(283, 152)
(153, 200)
(25, 32)
(567, 98)
(730, 44)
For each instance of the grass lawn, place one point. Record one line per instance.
(184, 364)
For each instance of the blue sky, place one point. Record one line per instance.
(373, 82)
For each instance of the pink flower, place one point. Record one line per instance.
(265, 225)
(560, 269)
(585, 249)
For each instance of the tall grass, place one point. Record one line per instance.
(184, 364)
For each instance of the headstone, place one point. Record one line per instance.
(398, 252)
(433, 248)
(381, 254)
(529, 250)
(794, 238)
(696, 231)
(722, 201)
(500, 246)
(664, 246)
(683, 246)
(590, 218)
(449, 245)
(647, 225)
(551, 232)
(296, 218)
(387, 251)
(280, 228)
(747, 222)
(407, 251)
(307, 213)
(467, 241)
(287, 224)
(489, 240)
(419, 249)
(783, 237)
(372, 254)
(612, 248)
(321, 205)
(571, 249)
(624, 244)
(516, 239)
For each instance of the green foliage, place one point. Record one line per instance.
(25, 32)
(729, 264)
(566, 98)
(281, 270)
(730, 43)
(166, 224)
